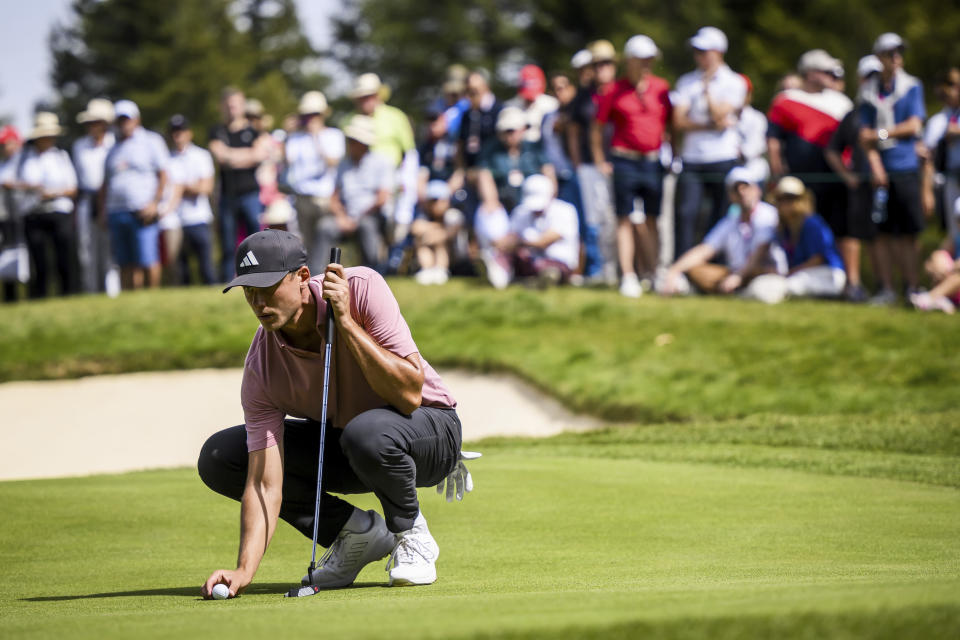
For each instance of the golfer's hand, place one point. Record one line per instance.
(236, 581)
(336, 290)
(459, 481)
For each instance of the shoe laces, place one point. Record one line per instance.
(409, 550)
(334, 551)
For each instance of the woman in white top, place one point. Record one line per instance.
(47, 183)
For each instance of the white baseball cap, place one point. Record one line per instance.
(740, 174)
(511, 118)
(869, 64)
(581, 59)
(538, 191)
(709, 39)
(438, 190)
(887, 42)
(642, 47)
(818, 60)
(126, 109)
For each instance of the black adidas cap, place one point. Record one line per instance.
(265, 257)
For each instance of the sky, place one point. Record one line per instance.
(25, 60)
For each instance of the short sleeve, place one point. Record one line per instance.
(335, 145)
(915, 101)
(161, 155)
(263, 421)
(70, 174)
(205, 167)
(605, 106)
(868, 115)
(718, 234)
(779, 121)
(935, 130)
(379, 313)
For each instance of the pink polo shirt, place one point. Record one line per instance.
(280, 380)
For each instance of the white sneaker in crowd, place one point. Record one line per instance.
(413, 561)
(352, 551)
(630, 286)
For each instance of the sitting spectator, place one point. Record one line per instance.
(364, 183)
(543, 240)
(743, 238)
(943, 267)
(808, 260)
(191, 179)
(45, 177)
(532, 100)
(313, 154)
(435, 231)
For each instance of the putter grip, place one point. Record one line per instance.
(334, 258)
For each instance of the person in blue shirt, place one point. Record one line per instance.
(806, 252)
(891, 120)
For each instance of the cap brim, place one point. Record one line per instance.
(536, 203)
(264, 279)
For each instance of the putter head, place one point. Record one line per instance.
(300, 592)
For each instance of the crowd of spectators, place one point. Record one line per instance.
(562, 182)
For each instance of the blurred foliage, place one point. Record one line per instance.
(176, 56)
(766, 36)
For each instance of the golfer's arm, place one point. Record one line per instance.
(397, 380)
(259, 507)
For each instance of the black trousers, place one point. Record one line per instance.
(380, 451)
(55, 230)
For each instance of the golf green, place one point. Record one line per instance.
(549, 545)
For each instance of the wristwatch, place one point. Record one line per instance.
(882, 134)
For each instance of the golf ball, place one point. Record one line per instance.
(221, 592)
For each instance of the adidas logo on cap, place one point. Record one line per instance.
(249, 260)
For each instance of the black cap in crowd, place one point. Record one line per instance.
(178, 123)
(265, 257)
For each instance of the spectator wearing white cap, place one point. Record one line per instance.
(597, 229)
(363, 187)
(436, 231)
(313, 154)
(942, 141)
(543, 240)
(45, 183)
(891, 121)
(394, 141)
(705, 106)
(89, 154)
(742, 239)
(638, 109)
(849, 161)
(135, 177)
(239, 149)
(801, 124)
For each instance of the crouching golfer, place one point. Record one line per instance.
(392, 423)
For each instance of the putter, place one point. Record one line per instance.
(311, 589)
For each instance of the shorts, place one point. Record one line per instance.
(637, 178)
(134, 244)
(859, 203)
(904, 210)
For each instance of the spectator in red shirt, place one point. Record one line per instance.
(638, 108)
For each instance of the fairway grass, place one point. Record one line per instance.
(549, 545)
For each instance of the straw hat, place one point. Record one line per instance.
(362, 129)
(367, 84)
(98, 110)
(45, 125)
(313, 102)
(602, 50)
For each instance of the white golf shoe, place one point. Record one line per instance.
(351, 552)
(414, 559)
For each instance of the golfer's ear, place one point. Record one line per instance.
(303, 275)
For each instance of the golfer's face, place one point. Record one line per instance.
(275, 306)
